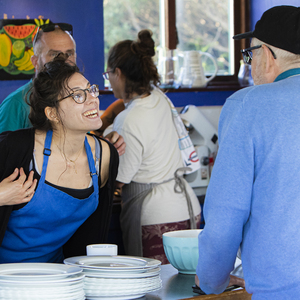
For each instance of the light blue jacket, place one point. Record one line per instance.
(253, 196)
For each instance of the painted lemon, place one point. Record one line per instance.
(18, 48)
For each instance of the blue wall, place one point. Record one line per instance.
(259, 6)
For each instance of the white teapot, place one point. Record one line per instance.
(192, 72)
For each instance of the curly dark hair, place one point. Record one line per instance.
(50, 84)
(134, 59)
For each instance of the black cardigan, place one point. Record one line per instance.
(16, 150)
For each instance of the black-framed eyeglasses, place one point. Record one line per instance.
(79, 96)
(106, 74)
(51, 27)
(247, 53)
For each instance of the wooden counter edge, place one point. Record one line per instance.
(232, 295)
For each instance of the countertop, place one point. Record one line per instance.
(179, 286)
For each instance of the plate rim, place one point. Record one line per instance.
(62, 270)
(150, 262)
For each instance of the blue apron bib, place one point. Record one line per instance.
(37, 232)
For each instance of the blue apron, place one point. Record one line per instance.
(37, 232)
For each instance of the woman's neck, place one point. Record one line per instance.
(70, 144)
(134, 96)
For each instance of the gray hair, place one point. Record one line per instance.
(284, 56)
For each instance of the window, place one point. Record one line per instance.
(183, 25)
(209, 30)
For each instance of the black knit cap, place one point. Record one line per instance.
(279, 27)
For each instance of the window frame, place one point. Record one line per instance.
(241, 16)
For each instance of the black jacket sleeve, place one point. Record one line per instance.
(16, 149)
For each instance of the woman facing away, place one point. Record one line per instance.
(152, 203)
(76, 171)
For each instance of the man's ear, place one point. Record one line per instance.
(34, 60)
(272, 69)
(270, 60)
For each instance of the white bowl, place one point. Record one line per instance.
(181, 249)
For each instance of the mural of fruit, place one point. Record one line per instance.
(5, 46)
(19, 31)
(18, 48)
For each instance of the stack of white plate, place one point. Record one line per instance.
(118, 277)
(36, 281)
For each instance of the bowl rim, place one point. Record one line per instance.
(174, 232)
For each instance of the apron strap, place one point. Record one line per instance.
(91, 165)
(47, 153)
(180, 188)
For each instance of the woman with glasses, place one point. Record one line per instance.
(72, 203)
(151, 205)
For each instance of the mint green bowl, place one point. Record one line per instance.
(181, 249)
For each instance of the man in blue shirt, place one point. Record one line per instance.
(253, 199)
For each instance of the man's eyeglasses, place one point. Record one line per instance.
(105, 74)
(51, 27)
(79, 96)
(247, 53)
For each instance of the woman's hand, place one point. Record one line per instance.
(117, 140)
(233, 281)
(16, 191)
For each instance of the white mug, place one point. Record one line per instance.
(101, 249)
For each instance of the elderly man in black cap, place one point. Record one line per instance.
(253, 199)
